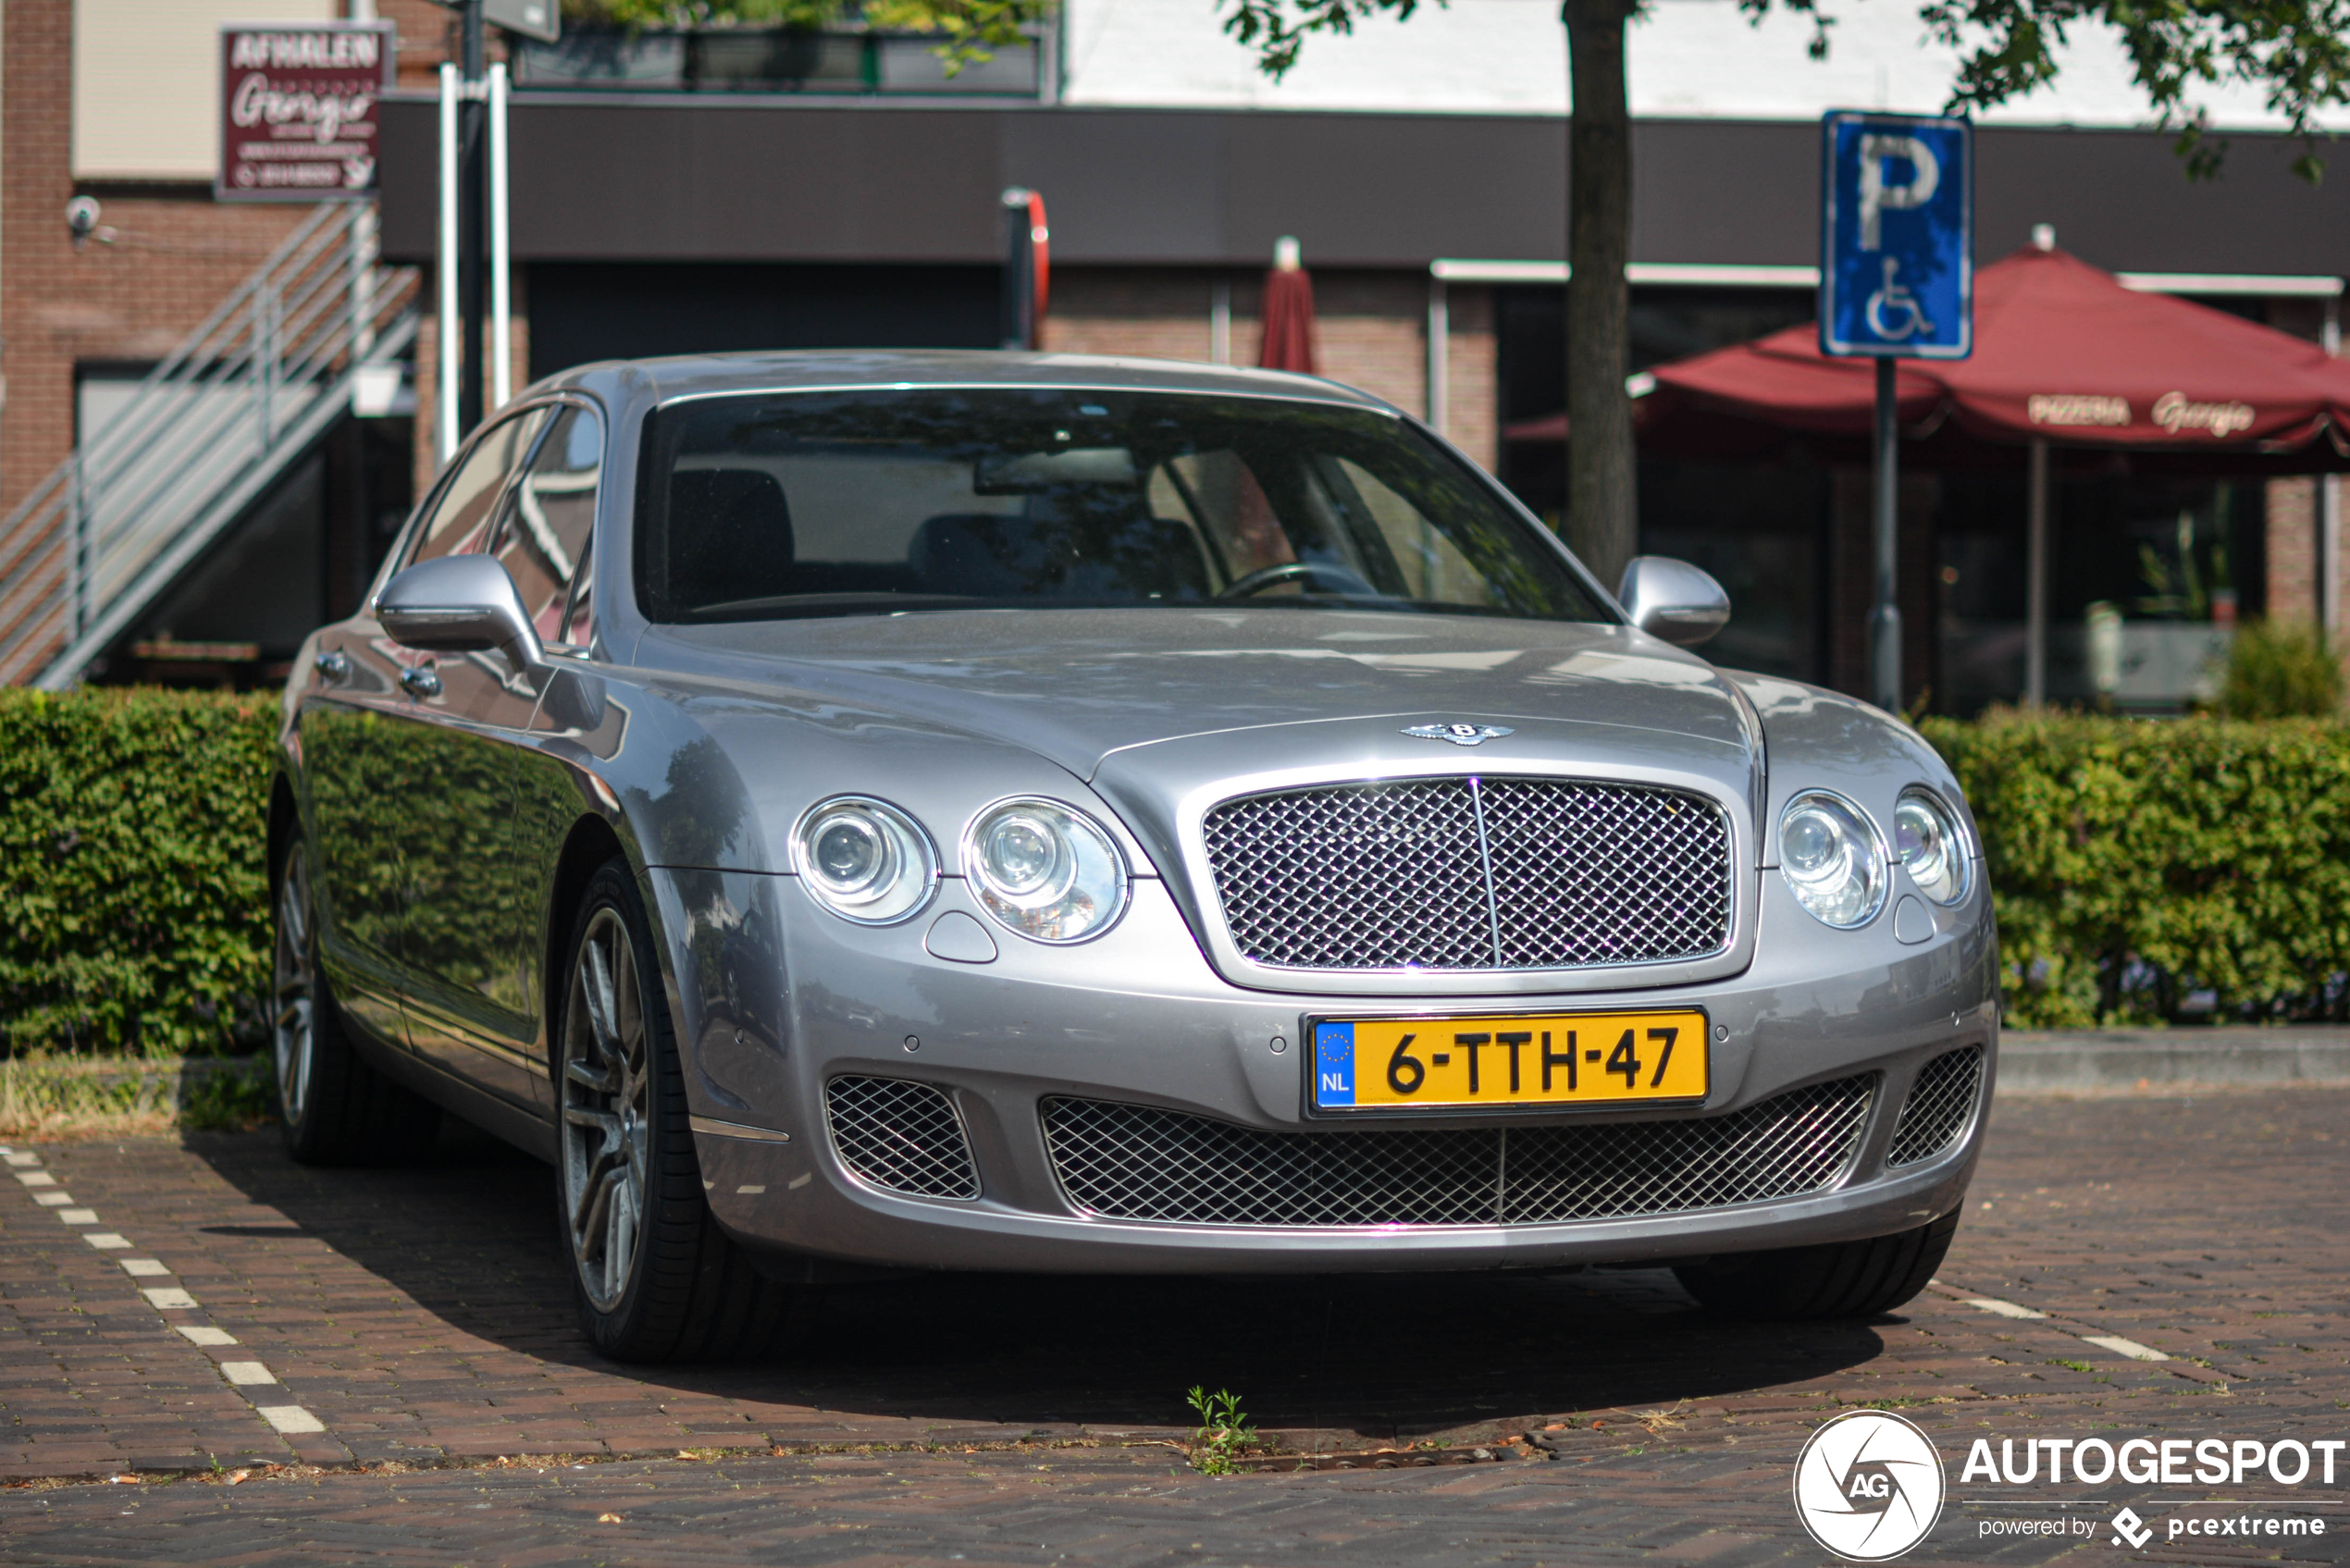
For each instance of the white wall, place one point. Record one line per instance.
(1689, 59)
(146, 82)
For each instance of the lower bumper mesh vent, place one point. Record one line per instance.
(903, 1137)
(1137, 1162)
(1940, 1104)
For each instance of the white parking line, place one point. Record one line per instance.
(2005, 1309)
(2121, 1346)
(284, 1419)
(290, 1418)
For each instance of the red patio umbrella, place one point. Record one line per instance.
(1288, 314)
(2064, 353)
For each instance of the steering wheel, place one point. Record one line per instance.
(1264, 578)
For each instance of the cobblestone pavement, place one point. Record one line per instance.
(415, 1323)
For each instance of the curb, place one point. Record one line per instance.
(2038, 1062)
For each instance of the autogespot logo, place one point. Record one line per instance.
(1868, 1486)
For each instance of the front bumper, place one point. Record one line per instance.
(776, 999)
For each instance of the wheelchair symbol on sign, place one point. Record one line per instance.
(1893, 312)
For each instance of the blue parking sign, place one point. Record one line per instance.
(1896, 231)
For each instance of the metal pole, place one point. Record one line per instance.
(1220, 322)
(1440, 332)
(472, 283)
(2329, 506)
(501, 369)
(1884, 615)
(2036, 578)
(444, 270)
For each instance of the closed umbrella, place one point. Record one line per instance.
(1289, 312)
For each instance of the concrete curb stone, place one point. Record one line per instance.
(2060, 1061)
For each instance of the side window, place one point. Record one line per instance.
(1231, 510)
(459, 520)
(550, 518)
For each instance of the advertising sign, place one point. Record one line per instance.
(1897, 275)
(298, 119)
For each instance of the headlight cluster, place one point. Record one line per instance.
(1836, 864)
(1039, 868)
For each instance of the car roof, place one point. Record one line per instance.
(690, 375)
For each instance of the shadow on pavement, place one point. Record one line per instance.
(469, 1235)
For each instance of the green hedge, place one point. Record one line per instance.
(2136, 863)
(2132, 864)
(133, 909)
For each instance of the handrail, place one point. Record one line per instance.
(239, 399)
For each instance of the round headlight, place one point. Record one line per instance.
(865, 861)
(1832, 858)
(1045, 870)
(1932, 850)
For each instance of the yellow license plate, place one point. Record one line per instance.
(1544, 1060)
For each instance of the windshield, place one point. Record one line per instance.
(777, 504)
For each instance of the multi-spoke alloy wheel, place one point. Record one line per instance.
(296, 986)
(607, 1128)
(332, 1107)
(659, 1278)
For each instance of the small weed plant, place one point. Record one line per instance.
(1225, 1431)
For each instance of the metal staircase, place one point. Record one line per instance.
(240, 399)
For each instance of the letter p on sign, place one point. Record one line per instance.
(1878, 193)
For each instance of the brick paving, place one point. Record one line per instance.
(420, 1315)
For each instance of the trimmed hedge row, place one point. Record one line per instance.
(133, 904)
(2135, 866)
(2144, 869)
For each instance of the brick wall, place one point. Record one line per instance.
(2293, 550)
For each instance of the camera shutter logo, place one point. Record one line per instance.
(1868, 1486)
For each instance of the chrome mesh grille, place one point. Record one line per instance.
(1472, 874)
(1138, 1162)
(902, 1136)
(1941, 1103)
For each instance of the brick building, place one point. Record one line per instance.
(678, 192)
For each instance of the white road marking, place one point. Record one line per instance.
(749, 1192)
(284, 1419)
(797, 1182)
(290, 1418)
(2005, 1309)
(2121, 1346)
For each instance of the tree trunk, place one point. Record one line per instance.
(1602, 518)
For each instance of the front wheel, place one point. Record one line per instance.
(657, 1279)
(1811, 1284)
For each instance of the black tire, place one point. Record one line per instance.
(1840, 1279)
(662, 1282)
(332, 1107)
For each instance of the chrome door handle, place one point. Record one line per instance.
(333, 665)
(420, 680)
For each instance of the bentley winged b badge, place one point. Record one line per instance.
(1460, 735)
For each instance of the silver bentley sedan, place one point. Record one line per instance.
(1035, 813)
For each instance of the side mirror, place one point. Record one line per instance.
(1672, 599)
(458, 604)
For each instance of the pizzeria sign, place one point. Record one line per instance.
(299, 104)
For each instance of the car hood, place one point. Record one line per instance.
(1082, 686)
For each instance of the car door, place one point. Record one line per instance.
(364, 760)
(474, 929)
